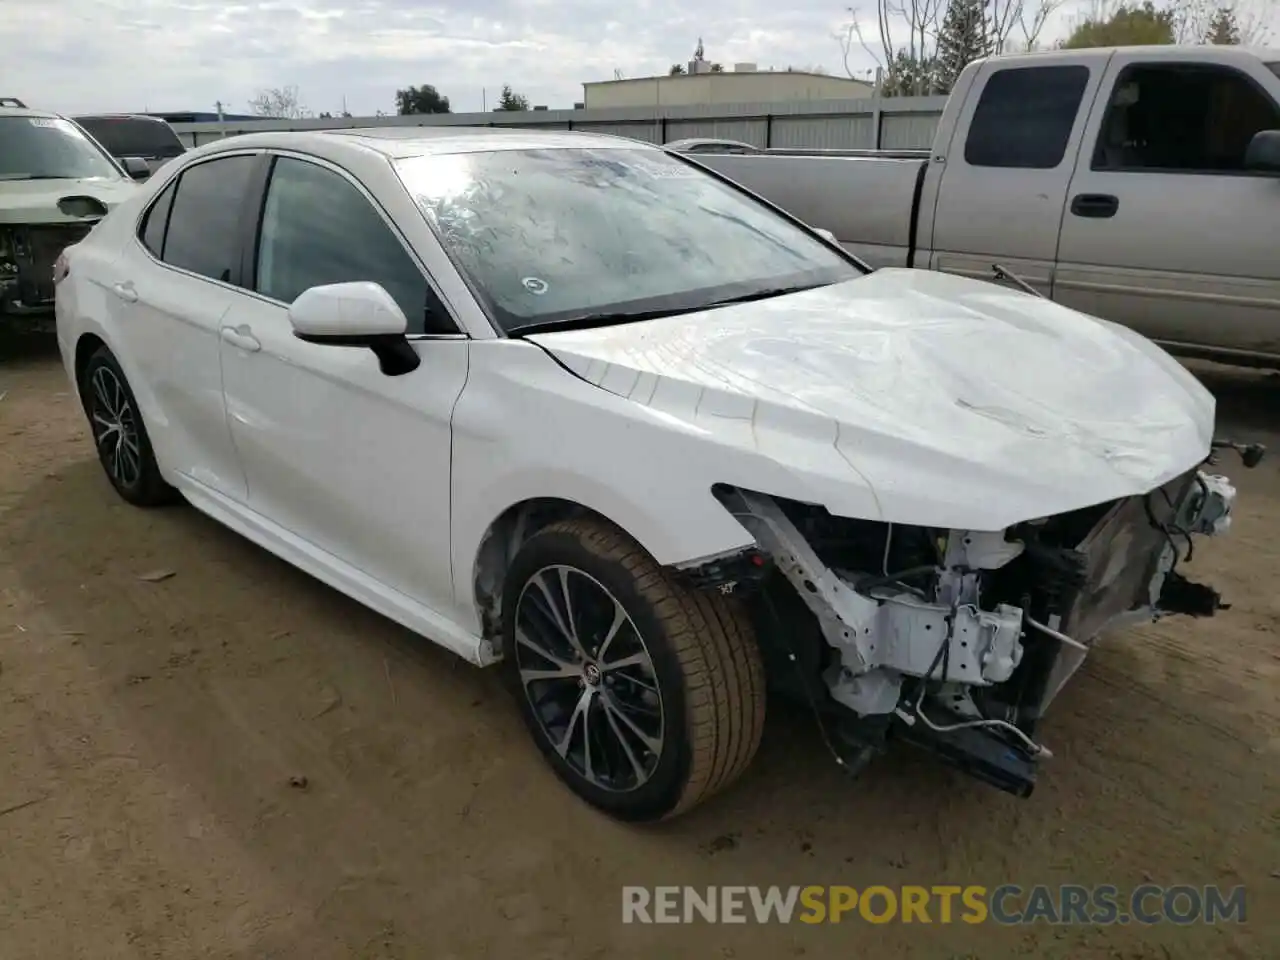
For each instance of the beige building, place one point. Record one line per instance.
(744, 84)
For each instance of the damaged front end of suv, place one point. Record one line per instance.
(27, 255)
(958, 640)
(56, 185)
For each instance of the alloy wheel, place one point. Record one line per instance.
(115, 428)
(589, 678)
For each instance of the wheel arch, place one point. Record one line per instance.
(87, 344)
(502, 540)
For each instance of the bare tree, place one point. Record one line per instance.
(1017, 24)
(284, 103)
(913, 43)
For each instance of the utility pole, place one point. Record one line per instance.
(222, 126)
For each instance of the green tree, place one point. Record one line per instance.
(1130, 26)
(1223, 29)
(511, 101)
(677, 69)
(910, 76)
(423, 99)
(965, 35)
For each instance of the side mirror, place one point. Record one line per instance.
(135, 167)
(1263, 153)
(826, 235)
(356, 314)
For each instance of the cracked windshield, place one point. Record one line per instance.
(556, 234)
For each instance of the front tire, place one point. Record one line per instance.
(119, 435)
(646, 697)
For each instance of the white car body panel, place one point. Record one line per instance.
(171, 335)
(554, 435)
(915, 397)
(355, 461)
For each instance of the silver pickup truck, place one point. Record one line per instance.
(1138, 184)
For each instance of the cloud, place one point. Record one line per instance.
(121, 55)
(187, 54)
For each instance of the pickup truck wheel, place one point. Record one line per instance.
(120, 436)
(645, 697)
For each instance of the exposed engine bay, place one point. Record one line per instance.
(27, 255)
(959, 640)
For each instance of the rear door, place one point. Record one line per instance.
(170, 291)
(1006, 169)
(1166, 232)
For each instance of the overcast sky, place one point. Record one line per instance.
(123, 55)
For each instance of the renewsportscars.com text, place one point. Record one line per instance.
(1008, 904)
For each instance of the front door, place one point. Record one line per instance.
(353, 461)
(1165, 230)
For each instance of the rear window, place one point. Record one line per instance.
(133, 137)
(1025, 116)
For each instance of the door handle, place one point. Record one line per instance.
(241, 337)
(1095, 205)
(125, 291)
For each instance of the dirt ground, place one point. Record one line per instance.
(150, 730)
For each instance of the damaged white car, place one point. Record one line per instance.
(574, 405)
(56, 183)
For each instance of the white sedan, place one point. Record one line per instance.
(577, 405)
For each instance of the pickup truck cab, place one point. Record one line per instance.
(1141, 185)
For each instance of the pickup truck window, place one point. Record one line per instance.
(1024, 117)
(1185, 118)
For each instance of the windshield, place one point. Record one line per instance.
(133, 137)
(608, 233)
(49, 148)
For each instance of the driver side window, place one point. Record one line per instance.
(1182, 118)
(318, 228)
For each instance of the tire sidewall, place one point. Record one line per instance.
(662, 791)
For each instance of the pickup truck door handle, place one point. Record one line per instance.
(125, 291)
(241, 337)
(1097, 205)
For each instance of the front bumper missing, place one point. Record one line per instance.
(27, 255)
(915, 663)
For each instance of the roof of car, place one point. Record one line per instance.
(116, 116)
(28, 112)
(408, 141)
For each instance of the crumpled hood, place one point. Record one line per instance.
(957, 402)
(36, 201)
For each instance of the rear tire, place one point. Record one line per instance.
(646, 697)
(119, 435)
